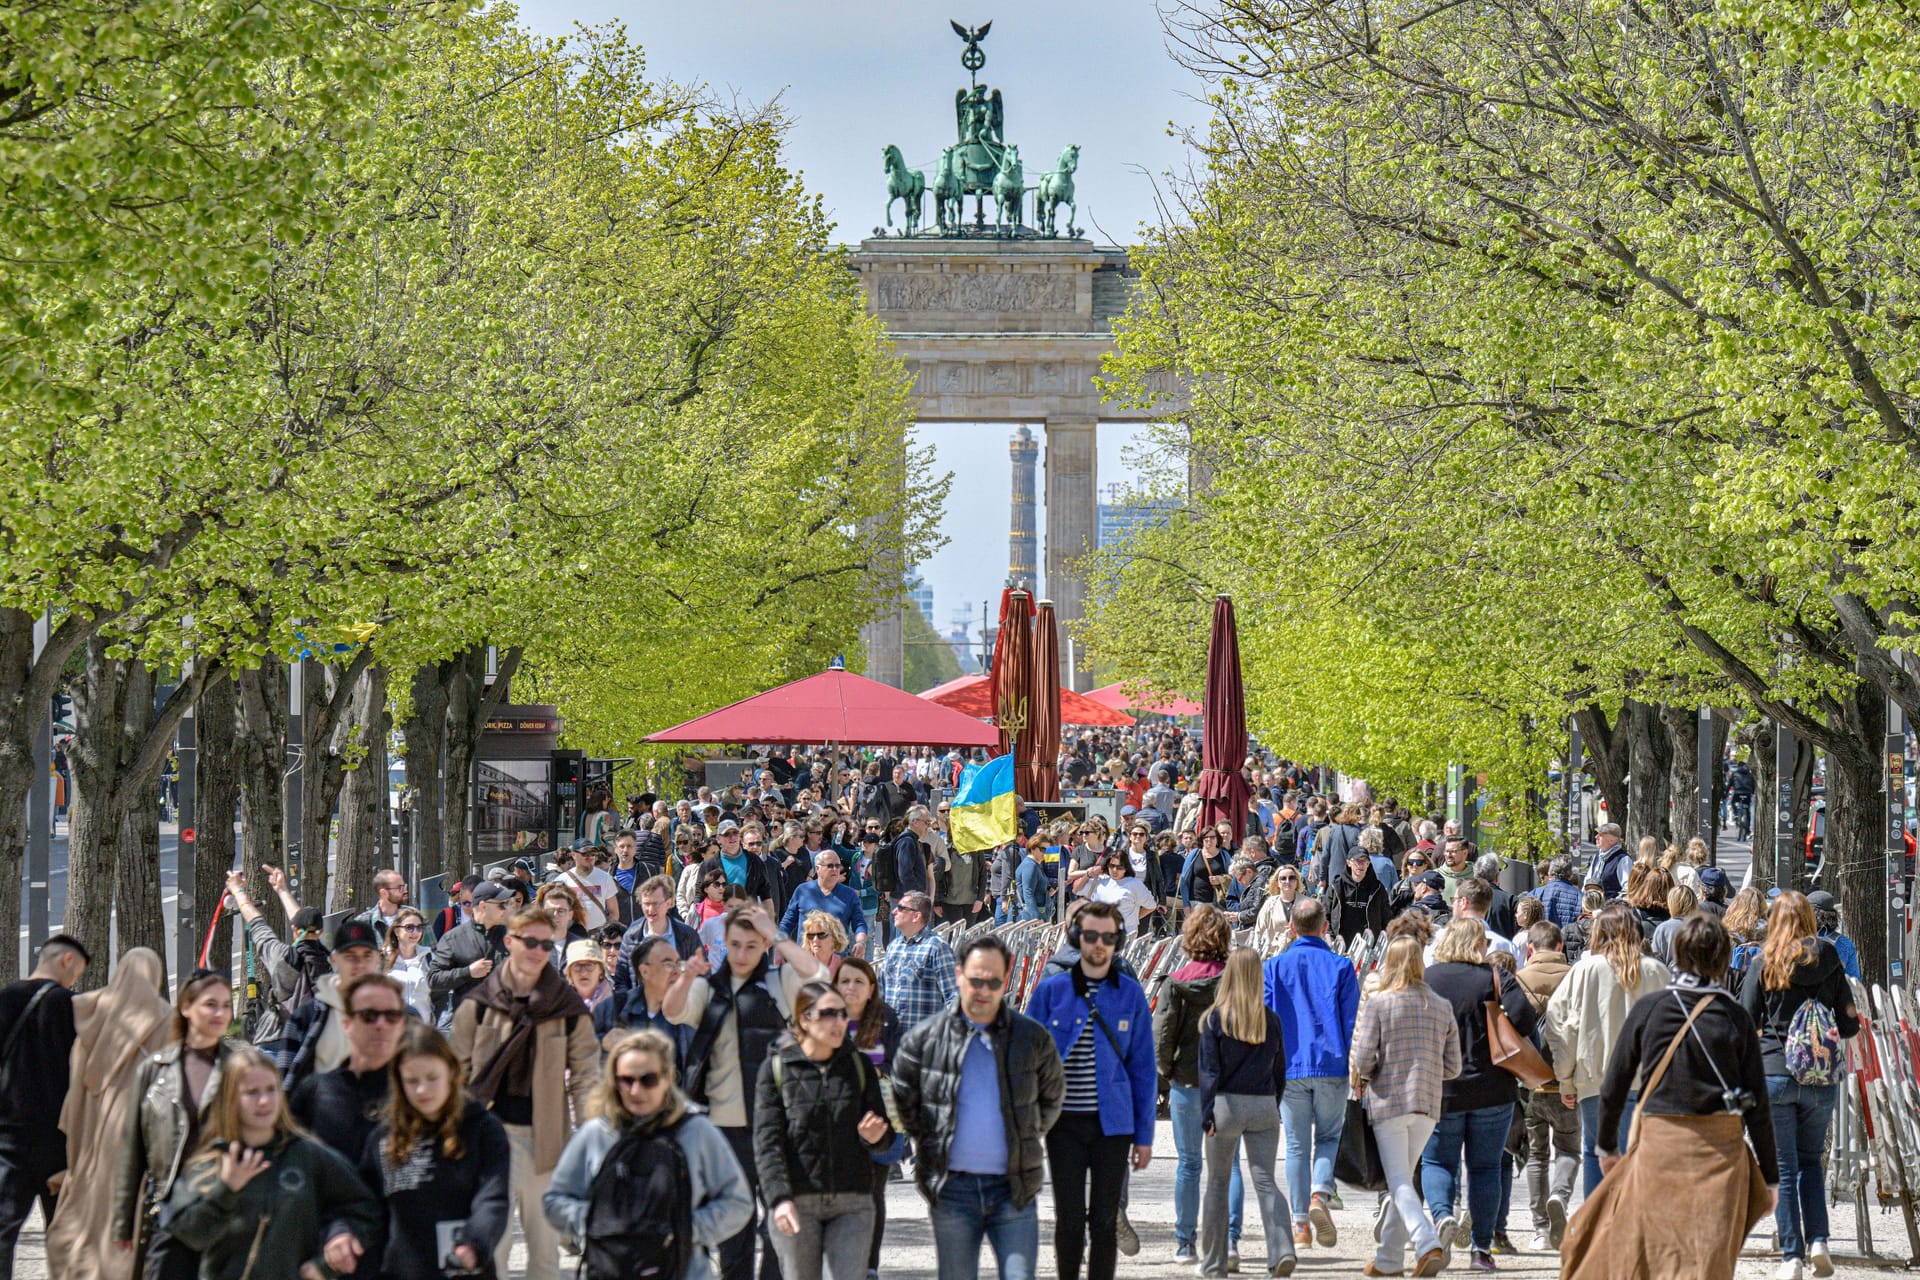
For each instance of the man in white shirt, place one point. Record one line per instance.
(597, 892)
(1471, 898)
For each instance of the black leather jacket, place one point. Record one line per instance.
(926, 1091)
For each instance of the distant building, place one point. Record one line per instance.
(922, 596)
(1024, 450)
(960, 636)
(1119, 519)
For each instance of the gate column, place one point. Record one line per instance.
(1072, 523)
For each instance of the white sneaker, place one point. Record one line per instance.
(1819, 1261)
(1445, 1229)
(1556, 1222)
(1788, 1270)
(1538, 1243)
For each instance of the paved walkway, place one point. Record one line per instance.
(908, 1251)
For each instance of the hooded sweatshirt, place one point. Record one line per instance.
(1354, 907)
(1819, 976)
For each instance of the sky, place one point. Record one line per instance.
(856, 75)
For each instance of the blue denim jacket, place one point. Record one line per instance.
(1128, 1083)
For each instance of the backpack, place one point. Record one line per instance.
(640, 1210)
(1812, 1048)
(1743, 955)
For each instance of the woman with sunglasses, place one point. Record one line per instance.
(1276, 913)
(1401, 896)
(713, 894)
(168, 1102)
(637, 1099)
(824, 939)
(818, 1121)
(439, 1160)
(1117, 883)
(406, 959)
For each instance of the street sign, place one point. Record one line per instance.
(186, 835)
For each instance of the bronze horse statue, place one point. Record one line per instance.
(904, 184)
(1056, 189)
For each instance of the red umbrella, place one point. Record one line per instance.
(834, 707)
(973, 696)
(1012, 643)
(1036, 768)
(1222, 788)
(1159, 704)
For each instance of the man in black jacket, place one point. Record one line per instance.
(910, 853)
(36, 1041)
(977, 1087)
(466, 953)
(342, 1106)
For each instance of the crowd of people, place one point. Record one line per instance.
(703, 1042)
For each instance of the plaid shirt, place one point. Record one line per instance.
(917, 977)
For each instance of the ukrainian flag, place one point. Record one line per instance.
(981, 813)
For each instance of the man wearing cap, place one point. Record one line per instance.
(654, 898)
(467, 953)
(293, 969)
(593, 887)
(748, 870)
(1611, 863)
(1430, 896)
(1714, 888)
(1826, 915)
(316, 1038)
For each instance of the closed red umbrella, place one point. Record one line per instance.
(1011, 645)
(1036, 768)
(1222, 788)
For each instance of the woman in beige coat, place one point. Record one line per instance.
(118, 1029)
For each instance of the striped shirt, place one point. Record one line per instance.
(1083, 1084)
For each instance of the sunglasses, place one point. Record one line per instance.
(409, 928)
(1087, 935)
(986, 984)
(816, 937)
(367, 1017)
(645, 1080)
(1416, 862)
(536, 944)
(827, 1015)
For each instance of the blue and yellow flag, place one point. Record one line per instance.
(981, 813)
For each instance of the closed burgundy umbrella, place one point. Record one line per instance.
(1036, 769)
(1011, 646)
(1222, 788)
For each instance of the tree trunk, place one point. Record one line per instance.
(261, 756)
(97, 756)
(326, 692)
(1856, 859)
(471, 700)
(1682, 725)
(1766, 793)
(216, 795)
(426, 734)
(363, 798)
(1649, 756)
(1605, 749)
(138, 918)
(1721, 727)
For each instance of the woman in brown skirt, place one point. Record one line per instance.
(1705, 1085)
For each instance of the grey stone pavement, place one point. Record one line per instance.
(908, 1250)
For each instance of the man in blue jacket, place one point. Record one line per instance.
(1101, 1025)
(1317, 997)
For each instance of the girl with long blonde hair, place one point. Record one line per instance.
(1406, 1045)
(1243, 1075)
(1588, 1011)
(311, 1208)
(1797, 966)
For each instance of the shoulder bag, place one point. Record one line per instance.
(1512, 1052)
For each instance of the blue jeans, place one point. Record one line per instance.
(1590, 1136)
(1183, 1105)
(1801, 1116)
(973, 1207)
(1314, 1109)
(1483, 1132)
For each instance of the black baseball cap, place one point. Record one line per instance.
(355, 933)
